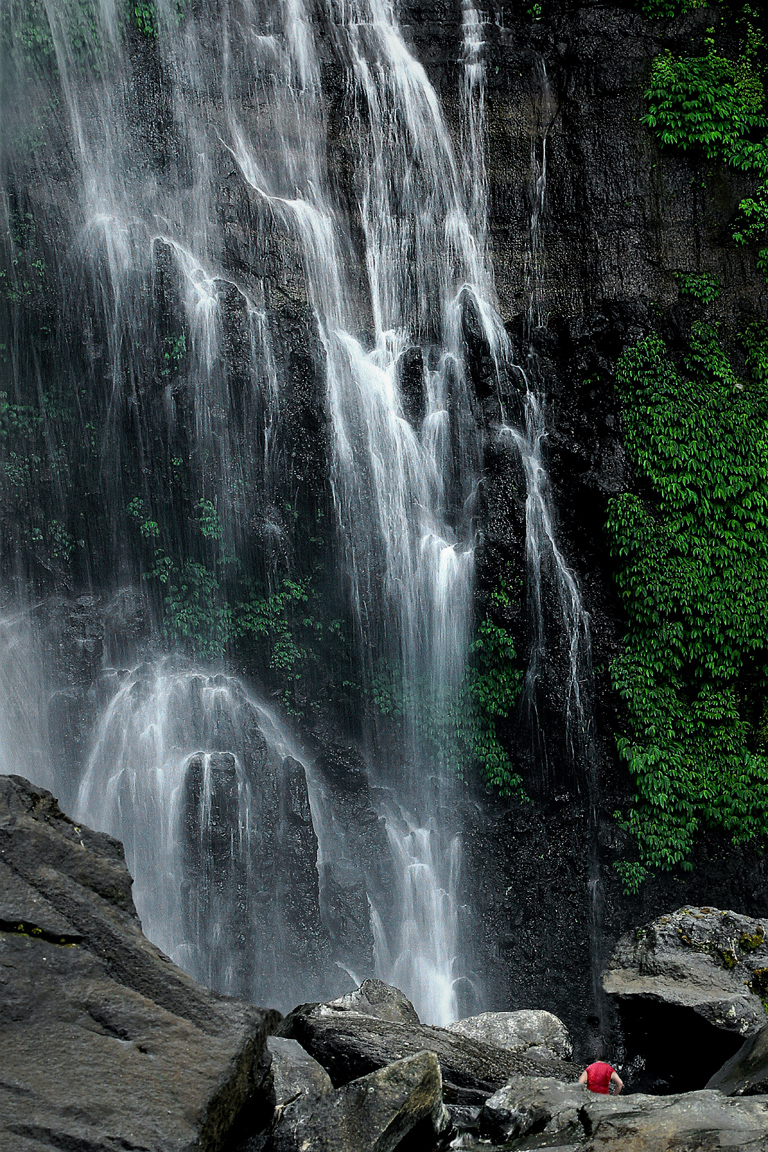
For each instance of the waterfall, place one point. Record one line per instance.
(547, 567)
(202, 783)
(172, 227)
(24, 745)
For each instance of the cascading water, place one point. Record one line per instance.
(241, 98)
(545, 562)
(202, 782)
(547, 567)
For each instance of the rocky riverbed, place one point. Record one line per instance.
(106, 1044)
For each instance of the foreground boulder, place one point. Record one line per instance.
(689, 988)
(397, 1107)
(555, 1115)
(746, 1073)
(350, 1045)
(528, 1030)
(105, 1043)
(295, 1075)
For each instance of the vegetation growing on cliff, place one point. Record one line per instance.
(691, 558)
(461, 726)
(717, 105)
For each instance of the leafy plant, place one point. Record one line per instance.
(692, 571)
(175, 351)
(667, 9)
(459, 726)
(149, 528)
(716, 105)
(703, 286)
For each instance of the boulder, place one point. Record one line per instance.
(689, 988)
(105, 1043)
(713, 962)
(522, 1031)
(746, 1073)
(350, 1045)
(397, 1107)
(294, 1073)
(554, 1115)
(529, 1105)
(698, 1121)
(375, 998)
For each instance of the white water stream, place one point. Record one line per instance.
(244, 104)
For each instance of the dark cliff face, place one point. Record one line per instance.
(619, 219)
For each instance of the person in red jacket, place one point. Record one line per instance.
(599, 1076)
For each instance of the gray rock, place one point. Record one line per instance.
(373, 1114)
(557, 1115)
(349, 1045)
(710, 961)
(535, 1031)
(530, 1104)
(295, 1074)
(375, 998)
(746, 1073)
(105, 1043)
(693, 1120)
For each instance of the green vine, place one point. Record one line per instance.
(460, 727)
(692, 571)
(717, 106)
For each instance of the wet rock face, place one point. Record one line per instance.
(85, 994)
(746, 1073)
(689, 988)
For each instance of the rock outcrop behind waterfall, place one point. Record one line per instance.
(105, 1043)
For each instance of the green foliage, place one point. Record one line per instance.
(692, 571)
(24, 274)
(631, 873)
(175, 351)
(703, 286)
(143, 15)
(209, 520)
(709, 102)
(666, 9)
(717, 105)
(26, 32)
(459, 727)
(194, 611)
(150, 529)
